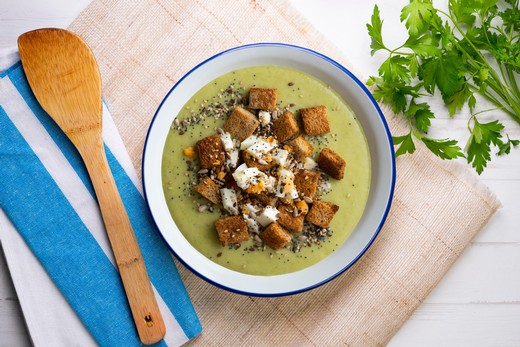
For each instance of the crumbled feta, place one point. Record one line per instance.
(232, 159)
(264, 117)
(248, 142)
(241, 168)
(227, 141)
(229, 200)
(251, 209)
(309, 164)
(251, 177)
(325, 186)
(271, 184)
(269, 215)
(280, 157)
(286, 188)
(261, 147)
(252, 224)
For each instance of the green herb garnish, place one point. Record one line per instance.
(474, 48)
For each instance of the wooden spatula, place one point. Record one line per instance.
(64, 77)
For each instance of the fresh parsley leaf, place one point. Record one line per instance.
(444, 72)
(511, 18)
(483, 135)
(444, 149)
(395, 94)
(505, 147)
(474, 49)
(417, 14)
(458, 100)
(460, 12)
(422, 114)
(374, 30)
(406, 144)
(425, 45)
(395, 69)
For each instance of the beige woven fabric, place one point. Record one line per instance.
(144, 47)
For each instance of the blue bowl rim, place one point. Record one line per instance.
(389, 138)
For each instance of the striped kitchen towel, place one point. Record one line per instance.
(46, 194)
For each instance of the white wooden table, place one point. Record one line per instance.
(476, 304)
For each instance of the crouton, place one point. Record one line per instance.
(275, 236)
(286, 127)
(266, 199)
(209, 189)
(321, 213)
(231, 230)
(241, 124)
(306, 183)
(315, 120)
(211, 152)
(331, 163)
(262, 99)
(287, 219)
(252, 162)
(301, 148)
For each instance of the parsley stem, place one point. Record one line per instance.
(495, 101)
(504, 78)
(514, 83)
(456, 25)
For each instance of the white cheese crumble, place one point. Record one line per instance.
(309, 164)
(251, 223)
(232, 160)
(246, 177)
(269, 215)
(280, 157)
(285, 187)
(231, 149)
(229, 200)
(227, 141)
(260, 148)
(264, 117)
(248, 142)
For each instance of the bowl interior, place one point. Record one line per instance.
(376, 132)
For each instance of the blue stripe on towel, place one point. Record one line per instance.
(71, 256)
(159, 263)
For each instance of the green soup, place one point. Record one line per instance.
(200, 117)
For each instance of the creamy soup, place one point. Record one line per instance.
(207, 110)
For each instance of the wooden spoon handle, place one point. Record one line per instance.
(141, 298)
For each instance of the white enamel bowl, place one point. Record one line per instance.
(368, 114)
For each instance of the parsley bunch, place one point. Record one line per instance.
(474, 48)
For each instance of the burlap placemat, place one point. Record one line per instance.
(144, 47)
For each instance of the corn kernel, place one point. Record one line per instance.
(189, 152)
(302, 207)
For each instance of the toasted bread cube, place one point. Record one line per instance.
(252, 162)
(211, 152)
(301, 148)
(315, 120)
(275, 236)
(331, 163)
(262, 99)
(287, 219)
(286, 127)
(241, 124)
(306, 183)
(321, 213)
(232, 229)
(266, 199)
(209, 189)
